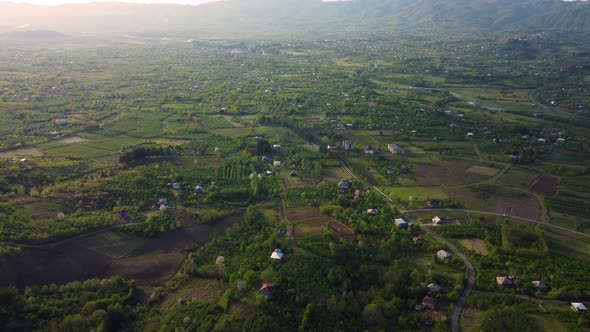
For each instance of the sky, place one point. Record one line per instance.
(61, 2)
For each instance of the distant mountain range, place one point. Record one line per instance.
(296, 17)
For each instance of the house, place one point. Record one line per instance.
(176, 186)
(506, 281)
(541, 141)
(434, 288)
(347, 145)
(418, 240)
(396, 149)
(344, 186)
(276, 147)
(268, 290)
(332, 146)
(443, 254)
(368, 149)
(357, 195)
(401, 223)
(268, 172)
(543, 287)
(265, 159)
(470, 135)
(372, 212)
(440, 220)
(55, 133)
(199, 188)
(579, 307)
(277, 254)
(276, 163)
(162, 201)
(560, 140)
(429, 302)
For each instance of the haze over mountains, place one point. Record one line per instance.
(290, 17)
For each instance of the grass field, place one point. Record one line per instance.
(23, 152)
(471, 319)
(548, 323)
(496, 199)
(486, 171)
(518, 177)
(418, 194)
(476, 245)
(335, 174)
(447, 171)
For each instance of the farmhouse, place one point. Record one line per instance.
(543, 287)
(443, 254)
(368, 149)
(434, 288)
(401, 223)
(268, 290)
(429, 302)
(372, 212)
(440, 220)
(277, 254)
(505, 281)
(579, 307)
(396, 149)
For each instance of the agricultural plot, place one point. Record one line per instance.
(518, 177)
(23, 152)
(90, 149)
(301, 197)
(300, 214)
(236, 172)
(310, 228)
(335, 174)
(113, 244)
(485, 171)
(545, 185)
(418, 196)
(214, 122)
(477, 245)
(497, 200)
(448, 172)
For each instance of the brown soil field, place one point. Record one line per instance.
(24, 152)
(202, 289)
(37, 209)
(296, 182)
(72, 139)
(301, 214)
(342, 231)
(233, 123)
(309, 228)
(448, 172)
(497, 200)
(171, 141)
(148, 260)
(545, 185)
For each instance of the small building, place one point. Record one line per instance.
(401, 223)
(199, 188)
(506, 281)
(579, 307)
(55, 133)
(163, 201)
(396, 149)
(357, 194)
(347, 145)
(176, 186)
(265, 159)
(443, 254)
(560, 140)
(368, 150)
(429, 302)
(470, 135)
(434, 288)
(268, 290)
(344, 186)
(276, 163)
(372, 212)
(539, 285)
(541, 141)
(332, 147)
(276, 147)
(277, 254)
(440, 220)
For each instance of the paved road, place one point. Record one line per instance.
(460, 305)
(504, 215)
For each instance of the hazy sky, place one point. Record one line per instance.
(59, 2)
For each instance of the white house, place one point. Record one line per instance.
(443, 254)
(400, 222)
(579, 307)
(347, 145)
(277, 254)
(276, 163)
(276, 147)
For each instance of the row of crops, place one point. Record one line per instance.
(236, 172)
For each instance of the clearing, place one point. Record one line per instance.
(72, 139)
(23, 152)
(477, 245)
